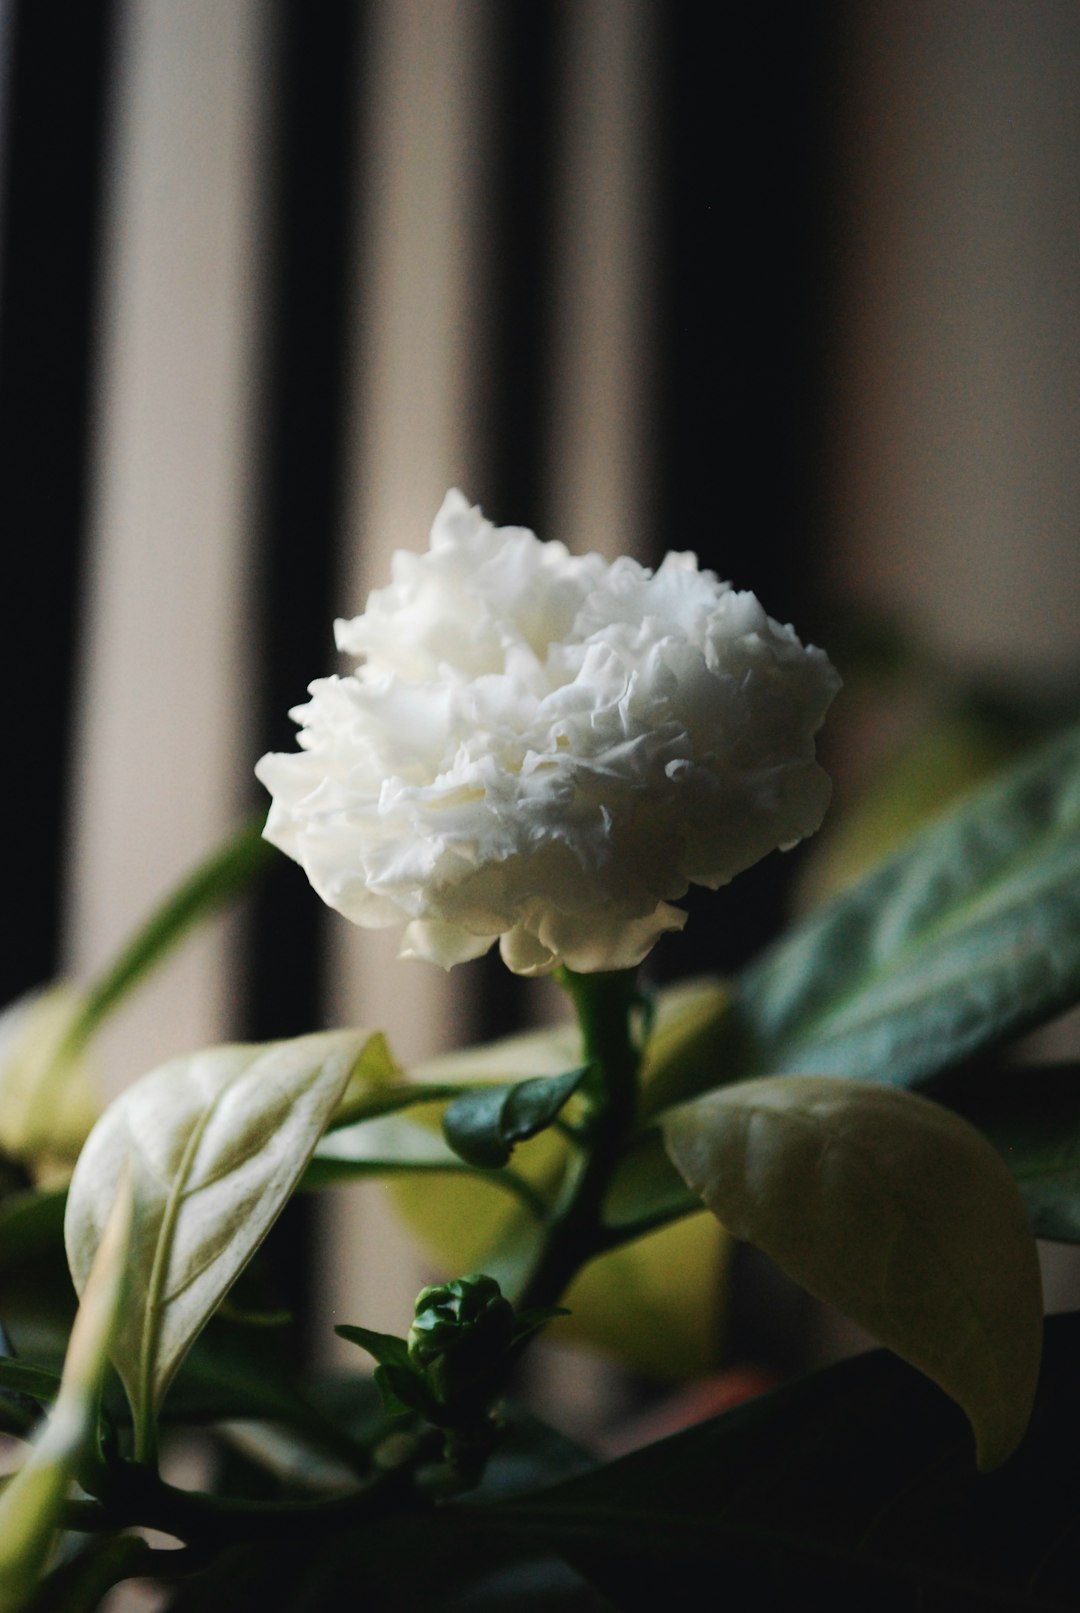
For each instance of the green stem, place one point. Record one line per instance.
(603, 1004)
(137, 1496)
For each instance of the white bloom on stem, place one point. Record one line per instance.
(547, 750)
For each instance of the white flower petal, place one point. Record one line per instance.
(547, 749)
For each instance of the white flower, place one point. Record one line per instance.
(547, 750)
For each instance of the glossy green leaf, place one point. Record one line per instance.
(1032, 1116)
(485, 1125)
(967, 935)
(385, 1348)
(891, 1208)
(851, 1491)
(942, 760)
(30, 1505)
(217, 1142)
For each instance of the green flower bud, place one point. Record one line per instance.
(461, 1331)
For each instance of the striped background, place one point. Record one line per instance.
(276, 273)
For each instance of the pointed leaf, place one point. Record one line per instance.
(969, 934)
(484, 1125)
(852, 1491)
(894, 1210)
(30, 1505)
(526, 1322)
(385, 1348)
(401, 1390)
(218, 1140)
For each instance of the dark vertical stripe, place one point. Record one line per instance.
(54, 137)
(743, 243)
(516, 336)
(311, 200)
(310, 203)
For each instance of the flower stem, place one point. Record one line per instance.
(603, 1004)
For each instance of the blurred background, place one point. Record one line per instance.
(793, 286)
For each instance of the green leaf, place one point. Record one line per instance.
(943, 759)
(672, 1279)
(30, 1505)
(894, 1210)
(79, 1584)
(966, 936)
(385, 1348)
(24, 1390)
(217, 1142)
(22, 1378)
(226, 872)
(484, 1125)
(646, 1190)
(357, 1108)
(31, 1224)
(526, 1322)
(852, 1490)
(1032, 1116)
(690, 1043)
(47, 1098)
(401, 1390)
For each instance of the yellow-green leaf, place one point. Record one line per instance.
(891, 1208)
(47, 1099)
(30, 1505)
(217, 1142)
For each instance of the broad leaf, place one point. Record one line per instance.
(424, 1559)
(486, 1124)
(894, 1210)
(944, 759)
(30, 1505)
(217, 1142)
(967, 935)
(852, 1490)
